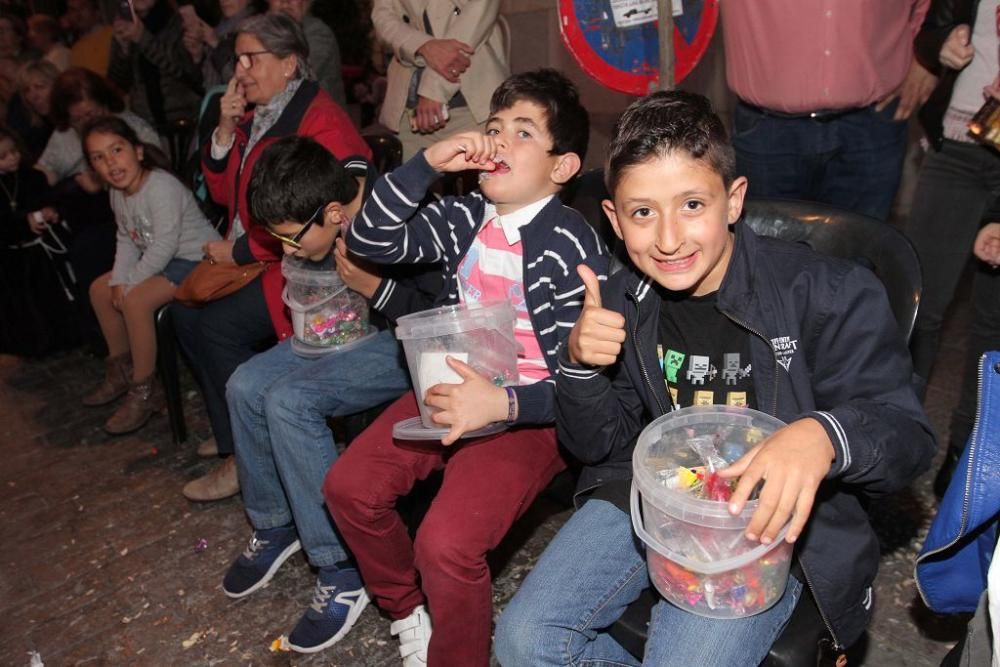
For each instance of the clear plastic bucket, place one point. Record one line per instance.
(326, 315)
(480, 335)
(699, 558)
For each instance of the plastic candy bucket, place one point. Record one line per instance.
(326, 315)
(480, 335)
(698, 556)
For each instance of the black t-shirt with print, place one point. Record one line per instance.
(704, 356)
(705, 360)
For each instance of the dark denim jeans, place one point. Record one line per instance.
(216, 339)
(955, 191)
(852, 161)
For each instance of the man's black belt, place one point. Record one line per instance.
(821, 115)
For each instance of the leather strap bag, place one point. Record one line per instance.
(210, 281)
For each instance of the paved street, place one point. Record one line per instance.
(105, 563)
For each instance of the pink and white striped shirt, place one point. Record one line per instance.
(492, 270)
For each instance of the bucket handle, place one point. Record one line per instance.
(289, 301)
(650, 541)
(635, 513)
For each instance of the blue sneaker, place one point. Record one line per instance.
(337, 603)
(264, 554)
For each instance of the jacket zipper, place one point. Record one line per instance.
(973, 441)
(774, 410)
(774, 355)
(638, 354)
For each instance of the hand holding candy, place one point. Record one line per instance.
(466, 407)
(792, 463)
(466, 150)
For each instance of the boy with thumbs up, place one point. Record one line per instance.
(708, 313)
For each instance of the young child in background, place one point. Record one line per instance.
(513, 240)
(279, 401)
(160, 234)
(35, 284)
(823, 354)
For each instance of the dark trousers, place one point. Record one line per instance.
(955, 191)
(488, 483)
(853, 161)
(91, 250)
(216, 339)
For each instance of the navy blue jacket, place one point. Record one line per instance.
(823, 344)
(393, 228)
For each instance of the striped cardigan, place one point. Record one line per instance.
(393, 228)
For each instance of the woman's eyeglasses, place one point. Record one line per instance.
(296, 241)
(248, 59)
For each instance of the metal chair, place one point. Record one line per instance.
(825, 229)
(179, 135)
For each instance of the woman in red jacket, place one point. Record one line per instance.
(271, 95)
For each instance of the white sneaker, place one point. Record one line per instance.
(414, 634)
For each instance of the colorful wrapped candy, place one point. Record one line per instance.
(698, 555)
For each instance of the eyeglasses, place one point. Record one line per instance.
(247, 59)
(296, 241)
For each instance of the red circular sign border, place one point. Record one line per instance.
(686, 55)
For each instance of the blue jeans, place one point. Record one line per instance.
(852, 161)
(593, 569)
(278, 405)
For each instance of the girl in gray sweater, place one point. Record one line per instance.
(161, 232)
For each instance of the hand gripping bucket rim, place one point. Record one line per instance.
(681, 505)
(456, 319)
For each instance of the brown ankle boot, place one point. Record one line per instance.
(221, 482)
(117, 375)
(142, 401)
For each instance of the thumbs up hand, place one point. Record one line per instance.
(598, 334)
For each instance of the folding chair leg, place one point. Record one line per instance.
(166, 353)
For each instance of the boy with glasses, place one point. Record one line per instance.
(279, 402)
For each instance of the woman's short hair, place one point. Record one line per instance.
(282, 36)
(43, 69)
(78, 84)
